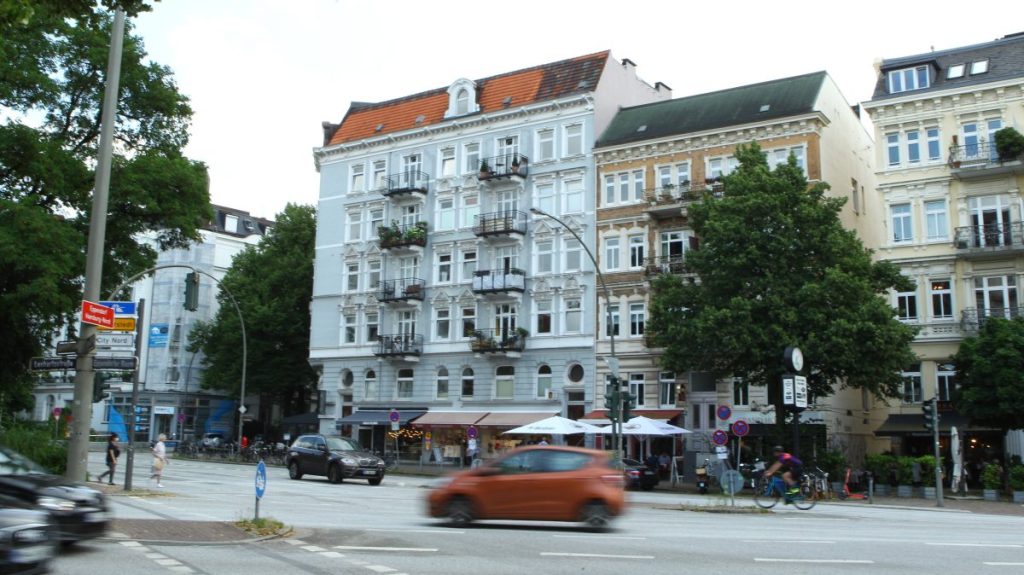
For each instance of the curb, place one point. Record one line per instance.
(171, 543)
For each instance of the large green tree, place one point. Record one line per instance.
(775, 267)
(53, 65)
(990, 374)
(273, 284)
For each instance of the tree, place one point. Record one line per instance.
(273, 284)
(52, 69)
(990, 374)
(776, 268)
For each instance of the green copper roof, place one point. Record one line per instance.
(715, 110)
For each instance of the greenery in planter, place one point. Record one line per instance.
(834, 463)
(391, 233)
(35, 441)
(416, 233)
(991, 477)
(905, 470)
(1009, 144)
(880, 465)
(485, 168)
(1017, 477)
(522, 332)
(927, 463)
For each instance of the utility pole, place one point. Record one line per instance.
(78, 446)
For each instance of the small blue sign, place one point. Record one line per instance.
(158, 335)
(261, 479)
(121, 307)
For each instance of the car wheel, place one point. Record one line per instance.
(375, 480)
(334, 474)
(459, 511)
(293, 470)
(595, 514)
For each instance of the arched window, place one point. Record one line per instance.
(467, 382)
(462, 102)
(543, 381)
(442, 382)
(370, 388)
(405, 378)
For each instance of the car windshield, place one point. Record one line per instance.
(342, 444)
(14, 463)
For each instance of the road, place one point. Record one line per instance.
(355, 528)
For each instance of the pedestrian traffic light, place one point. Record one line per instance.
(192, 291)
(628, 404)
(612, 398)
(931, 415)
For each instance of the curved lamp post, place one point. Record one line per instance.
(616, 425)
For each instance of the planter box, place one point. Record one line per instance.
(990, 494)
(1018, 496)
(904, 491)
(929, 493)
(883, 489)
(837, 487)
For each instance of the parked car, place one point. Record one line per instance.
(338, 458)
(537, 482)
(638, 475)
(28, 537)
(80, 512)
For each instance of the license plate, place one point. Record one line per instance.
(95, 517)
(369, 472)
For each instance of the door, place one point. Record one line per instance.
(996, 296)
(505, 320)
(411, 166)
(990, 221)
(318, 457)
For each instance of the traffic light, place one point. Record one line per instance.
(191, 291)
(99, 391)
(628, 404)
(611, 399)
(931, 415)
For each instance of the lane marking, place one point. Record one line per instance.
(313, 548)
(595, 555)
(168, 562)
(1002, 564)
(295, 541)
(602, 537)
(130, 543)
(155, 556)
(789, 541)
(182, 569)
(332, 554)
(431, 531)
(768, 560)
(1009, 545)
(412, 549)
(380, 568)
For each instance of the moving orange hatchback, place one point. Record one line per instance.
(540, 483)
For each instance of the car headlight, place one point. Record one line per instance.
(350, 462)
(56, 504)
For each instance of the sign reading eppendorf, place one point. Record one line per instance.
(115, 363)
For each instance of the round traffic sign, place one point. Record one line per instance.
(471, 432)
(261, 479)
(719, 437)
(724, 412)
(394, 416)
(732, 482)
(740, 428)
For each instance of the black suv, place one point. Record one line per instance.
(338, 458)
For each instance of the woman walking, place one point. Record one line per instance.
(113, 452)
(159, 459)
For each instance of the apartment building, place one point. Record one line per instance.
(653, 162)
(952, 217)
(437, 295)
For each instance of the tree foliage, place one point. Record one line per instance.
(53, 63)
(990, 374)
(273, 284)
(777, 268)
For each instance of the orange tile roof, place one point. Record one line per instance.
(537, 84)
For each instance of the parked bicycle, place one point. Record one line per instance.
(768, 491)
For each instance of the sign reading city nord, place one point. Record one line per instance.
(121, 307)
(120, 324)
(98, 315)
(115, 341)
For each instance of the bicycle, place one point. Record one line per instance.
(768, 490)
(390, 461)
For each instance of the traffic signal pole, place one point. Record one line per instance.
(930, 409)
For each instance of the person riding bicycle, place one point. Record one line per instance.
(791, 469)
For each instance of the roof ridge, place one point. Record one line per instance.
(693, 97)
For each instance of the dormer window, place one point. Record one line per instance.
(979, 67)
(907, 79)
(461, 99)
(955, 71)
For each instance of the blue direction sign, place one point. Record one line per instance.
(121, 307)
(261, 479)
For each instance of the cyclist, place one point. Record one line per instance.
(791, 469)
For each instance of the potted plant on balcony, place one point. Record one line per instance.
(416, 233)
(389, 234)
(1009, 144)
(485, 169)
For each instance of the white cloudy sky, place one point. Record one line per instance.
(263, 74)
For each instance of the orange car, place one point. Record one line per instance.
(541, 483)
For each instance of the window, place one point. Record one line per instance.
(636, 387)
(380, 174)
(914, 147)
(609, 190)
(468, 314)
(467, 382)
(941, 294)
(934, 152)
(667, 387)
(543, 325)
(546, 197)
(358, 178)
(573, 256)
(912, 384)
(446, 214)
(462, 102)
(572, 191)
(576, 374)
(349, 331)
(636, 251)
(935, 219)
(955, 71)
(639, 183)
(376, 220)
(543, 381)
(370, 384)
(946, 381)
(504, 381)
(405, 383)
(442, 323)
(574, 140)
(902, 223)
(447, 162)
(906, 305)
(740, 391)
(352, 276)
(573, 315)
(683, 175)
(545, 145)
(442, 383)
(637, 317)
(665, 176)
(544, 257)
(468, 264)
(472, 153)
(470, 210)
(444, 268)
(611, 254)
(613, 314)
(915, 78)
(372, 274)
(979, 67)
(355, 225)
(780, 156)
(371, 327)
(892, 143)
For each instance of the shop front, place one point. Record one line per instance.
(458, 437)
(386, 430)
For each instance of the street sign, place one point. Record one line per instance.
(788, 395)
(120, 324)
(724, 412)
(471, 432)
(740, 428)
(800, 391)
(261, 479)
(394, 416)
(613, 365)
(719, 437)
(96, 314)
(121, 307)
(241, 409)
(732, 481)
(107, 340)
(56, 412)
(51, 363)
(115, 363)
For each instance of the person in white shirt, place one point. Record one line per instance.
(159, 459)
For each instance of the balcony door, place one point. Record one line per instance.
(410, 215)
(996, 296)
(507, 203)
(408, 267)
(990, 221)
(505, 319)
(411, 166)
(407, 322)
(507, 149)
(506, 258)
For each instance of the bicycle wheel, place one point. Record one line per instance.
(765, 494)
(808, 496)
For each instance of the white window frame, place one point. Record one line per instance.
(906, 306)
(637, 319)
(611, 253)
(467, 320)
(909, 79)
(354, 225)
(445, 215)
(352, 271)
(544, 380)
(380, 174)
(349, 328)
(637, 250)
(441, 383)
(572, 194)
(901, 220)
(544, 257)
(911, 385)
(357, 178)
(470, 209)
(940, 299)
(405, 385)
(442, 323)
(544, 197)
(504, 383)
(936, 216)
(573, 255)
(573, 140)
(467, 259)
(447, 167)
(545, 148)
(445, 268)
(543, 308)
(572, 312)
(471, 154)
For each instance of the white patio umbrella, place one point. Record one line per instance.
(554, 425)
(958, 461)
(641, 425)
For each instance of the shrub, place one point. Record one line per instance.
(1017, 477)
(834, 463)
(881, 466)
(905, 470)
(1009, 144)
(991, 476)
(35, 441)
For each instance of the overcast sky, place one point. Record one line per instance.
(262, 75)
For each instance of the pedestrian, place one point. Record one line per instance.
(543, 441)
(113, 452)
(159, 459)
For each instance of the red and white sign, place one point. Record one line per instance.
(97, 314)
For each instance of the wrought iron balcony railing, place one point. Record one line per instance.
(686, 191)
(407, 182)
(402, 290)
(504, 166)
(399, 235)
(498, 341)
(399, 344)
(990, 236)
(503, 280)
(971, 319)
(673, 264)
(500, 224)
(979, 155)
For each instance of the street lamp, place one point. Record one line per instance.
(613, 363)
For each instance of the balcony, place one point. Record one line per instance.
(500, 224)
(406, 183)
(673, 264)
(989, 240)
(506, 342)
(505, 167)
(670, 201)
(971, 319)
(398, 236)
(981, 160)
(401, 290)
(499, 281)
(404, 345)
